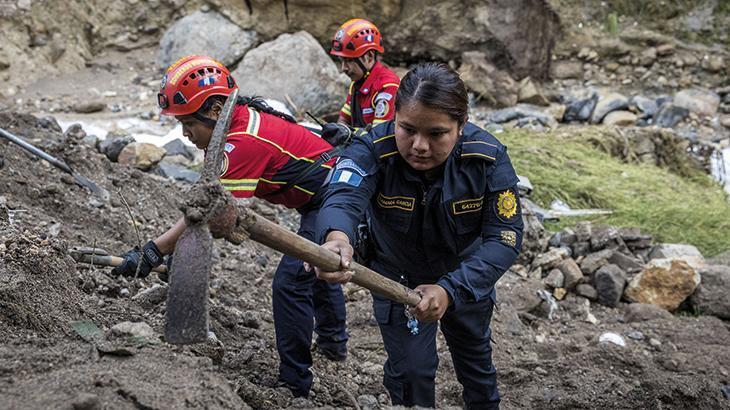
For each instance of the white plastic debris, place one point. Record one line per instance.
(610, 337)
(552, 303)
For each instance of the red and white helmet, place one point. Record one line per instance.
(355, 38)
(190, 81)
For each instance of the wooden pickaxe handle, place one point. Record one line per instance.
(258, 228)
(105, 260)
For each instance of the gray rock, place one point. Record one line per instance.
(48, 122)
(587, 291)
(554, 279)
(712, 296)
(550, 259)
(644, 107)
(580, 110)
(134, 329)
(592, 262)
(296, 66)
(580, 249)
(151, 297)
(699, 101)
(726, 391)
(496, 87)
(608, 103)
(561, 70)
(572, 274)
(635, 239)
(629, 264)
(635, 334)
(604, 236)
(670, 115)
(530, 93)
(642, 312)
(178, 147)
(654, 343)
(519, 112)
(208, 34)
(112, 146)
(75, 132)
(685, 252)
(91, 140)
(620, 118)
(368, 401)
(176, 172)
(609, 282)
(88, 107)
(86, 401)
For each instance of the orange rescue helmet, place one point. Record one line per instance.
(190, 81)
(355, 38)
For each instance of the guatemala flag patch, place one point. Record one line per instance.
(346, 176)
(206, 81)
(348, 172)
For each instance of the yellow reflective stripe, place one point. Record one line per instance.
(273, 182)
(303, 190)
(476, 154)
(239, 188)
(254, 121)
(346, 110)
(383, 138)
(239, 181)
(377, 121)
(480, 142)
(388, 154)
(239, 184)
(389, 85)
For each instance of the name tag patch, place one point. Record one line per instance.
(467, 205)
(398, 202)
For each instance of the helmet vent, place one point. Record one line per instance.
(179, 98)
(192, 76)
(350, 46)
(185, 82)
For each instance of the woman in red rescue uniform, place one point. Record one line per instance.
(371, 97)
(264, 151)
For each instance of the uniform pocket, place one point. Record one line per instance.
(381, 310)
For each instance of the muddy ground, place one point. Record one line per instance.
(678, 362)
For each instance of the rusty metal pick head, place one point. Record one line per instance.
(214, 155)
(187, 300)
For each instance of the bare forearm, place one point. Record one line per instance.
(166, 242)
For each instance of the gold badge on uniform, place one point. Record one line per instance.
(509, 238)
(506, 205)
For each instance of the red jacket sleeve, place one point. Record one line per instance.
(245, 161)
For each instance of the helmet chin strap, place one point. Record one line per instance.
(365, 71)
(205, 120)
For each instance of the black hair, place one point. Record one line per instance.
(436, 86)
(255, 102)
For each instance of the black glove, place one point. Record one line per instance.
(151, 258)
(336, 133)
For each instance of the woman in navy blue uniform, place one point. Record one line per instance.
(440, 195)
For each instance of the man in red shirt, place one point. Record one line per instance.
(371, 97)
(269, 156)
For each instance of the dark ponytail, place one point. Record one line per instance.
(436, 86)
(256, 103)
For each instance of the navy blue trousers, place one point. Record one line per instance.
(300, 300)
(410, 369)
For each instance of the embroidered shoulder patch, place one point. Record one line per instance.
(229, 147)
(405, 203)
(384, 96)
(506, 205)
(508, 238)
(350, 165)
(381, 108)
(467, 205)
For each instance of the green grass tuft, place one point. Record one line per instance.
(673, 208)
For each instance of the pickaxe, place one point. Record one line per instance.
(209, 208)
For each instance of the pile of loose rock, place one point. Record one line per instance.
(609, 265)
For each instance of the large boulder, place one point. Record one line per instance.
(608, 103)
(664, 282)
(294, 66)
(491, 84)
(712, 296)
(699, 101)
(208, 34)
(685, 252)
